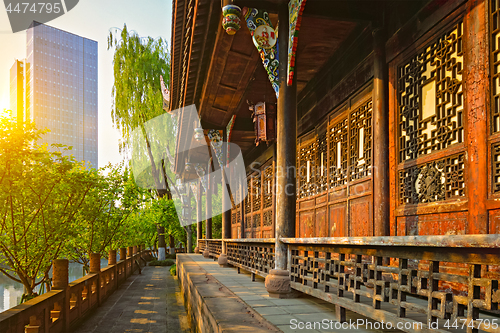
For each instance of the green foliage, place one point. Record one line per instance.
(101, 223)
(166, 262)
(41, 193)
(173, 270)
(137, 65)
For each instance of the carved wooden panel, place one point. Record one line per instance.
(256, 192)
(338, 220)
(434, 181)
(255, 257)
(361, 213)
(360, 141)
(306, 220)
(322, 164)
(442, 224)
(495, 64)
(268, 186)
(495, 169)
(338, 153)
(306, 170)
(321, 223)
(430, 97)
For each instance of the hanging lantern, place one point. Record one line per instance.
(231, 20)
(264, 118)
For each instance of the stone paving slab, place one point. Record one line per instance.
(285, 314)
(140, 306)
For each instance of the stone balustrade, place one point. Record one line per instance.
(67, 304)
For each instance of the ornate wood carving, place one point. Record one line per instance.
(338, 153)
(430, 97)
(495, 64)
(434, 181)
(360, 141)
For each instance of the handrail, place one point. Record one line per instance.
(60, 310)
(452, 277)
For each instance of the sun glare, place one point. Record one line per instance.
(4, 108)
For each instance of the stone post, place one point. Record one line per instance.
(95, 263)
(112, 257)
(123, 253)
(134, 249)
(278, 281)
(60, 273)
(130, 251)
(33, 326)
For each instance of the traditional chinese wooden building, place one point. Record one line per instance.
(391, 119)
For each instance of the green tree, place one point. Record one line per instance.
(104, 214)
(138, 64)
(41, 192)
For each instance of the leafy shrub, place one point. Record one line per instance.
(170, 256)
(173, 270)
(167, 262)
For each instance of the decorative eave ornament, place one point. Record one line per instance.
(231, 19)
(295, 9)
(265, 39)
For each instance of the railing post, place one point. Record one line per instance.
(33, 326)
(278, 280)
(112, 262)
(60, 280)
(123, 253)
(130, 261)
(112, 257)
(95, 268)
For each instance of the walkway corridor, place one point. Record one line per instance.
(150, 302)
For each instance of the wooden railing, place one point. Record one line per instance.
(417, 284)
(60, 310)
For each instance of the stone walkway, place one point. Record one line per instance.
(150, 302)
(286, 314)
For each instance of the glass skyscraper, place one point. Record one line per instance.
(61, 89)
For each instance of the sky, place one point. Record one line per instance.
(92, 19)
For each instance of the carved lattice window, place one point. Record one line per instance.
(495, 152)
(434, 181)
(495, 65)
(256, 192)
(321, 162)
(248, 200)
(268, 218)
(338, 154)
(256, 221)
(268, 186)
(360, 141)
(430, 97)
(307, 166)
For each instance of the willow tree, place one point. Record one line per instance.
(138, 63)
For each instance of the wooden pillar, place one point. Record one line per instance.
(286, 145)
(477, 91)
(208, 203)
(380, 136)
(199, 218)
(278, 281)
(242, 209)
(226, 201)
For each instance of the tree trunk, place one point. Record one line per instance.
(172, 244)
(189, 242)
(161, 243)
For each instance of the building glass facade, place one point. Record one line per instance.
(61, 89)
